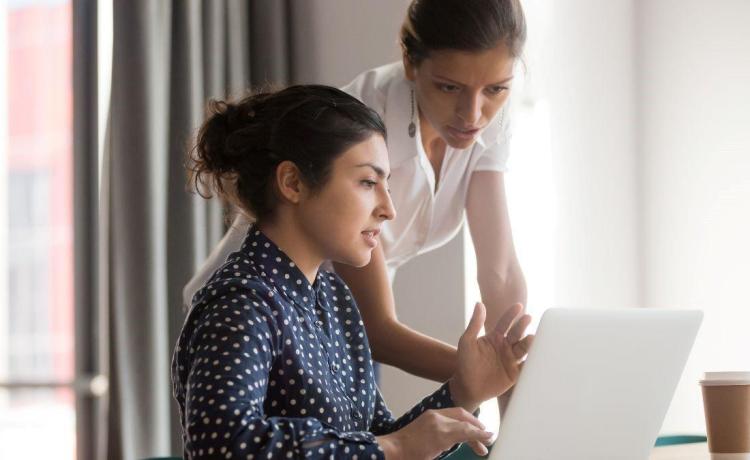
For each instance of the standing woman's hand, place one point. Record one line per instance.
(488, 366)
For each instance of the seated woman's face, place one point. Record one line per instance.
(460, 92)
(344, 217)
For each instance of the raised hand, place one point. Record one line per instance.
(488, 366)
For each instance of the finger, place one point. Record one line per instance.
(521, 348)
(506, 321)
(462, 415)
(478, 448)
(476, 321)
(516, 331)
(508, 361)
(466, 432)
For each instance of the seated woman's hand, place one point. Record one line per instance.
(434, 432)
(488, 366)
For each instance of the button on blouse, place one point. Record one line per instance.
(269, 366)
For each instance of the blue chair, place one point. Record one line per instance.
(679, 439)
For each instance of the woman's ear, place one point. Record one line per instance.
(409, 68)
(289, 182)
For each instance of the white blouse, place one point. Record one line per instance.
(427, 218)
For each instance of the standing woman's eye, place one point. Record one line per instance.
(496, 90)
(368, 183)
(448, 88)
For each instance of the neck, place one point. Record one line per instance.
(288, 237)
(430, 139)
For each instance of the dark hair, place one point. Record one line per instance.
(240, 145)
(467, 25)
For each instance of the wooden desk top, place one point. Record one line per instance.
(697, 451)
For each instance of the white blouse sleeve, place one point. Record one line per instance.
(495, 156)
(230, 243)
(368, 87)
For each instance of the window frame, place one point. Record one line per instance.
(89, 384)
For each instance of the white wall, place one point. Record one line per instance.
(586, 74)
(573, 184)
(694, 61)
(334, 40)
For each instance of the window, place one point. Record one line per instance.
(37, 400)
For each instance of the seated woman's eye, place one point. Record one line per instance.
(368, 183)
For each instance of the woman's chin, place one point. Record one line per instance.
(356, 259)
(461, 144)
(364, 260)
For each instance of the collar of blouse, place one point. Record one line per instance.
(278, 270)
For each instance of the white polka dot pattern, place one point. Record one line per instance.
(268, 366)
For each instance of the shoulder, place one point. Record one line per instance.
(498, 133)
(237, 287)
(372, 86)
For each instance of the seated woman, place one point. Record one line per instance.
(273, 360)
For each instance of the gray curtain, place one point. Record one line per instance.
(169, 57)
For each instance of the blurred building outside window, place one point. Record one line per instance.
(37, 302)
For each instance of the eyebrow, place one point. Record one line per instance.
(378, 170)
(501, 82)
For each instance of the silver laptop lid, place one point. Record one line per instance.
(596, 384)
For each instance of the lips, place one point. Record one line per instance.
(463, 133)
(370, 237)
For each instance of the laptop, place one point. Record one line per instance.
(596, 384)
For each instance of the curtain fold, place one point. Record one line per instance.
(169, 58)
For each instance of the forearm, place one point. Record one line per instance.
(501, 281)
(271, 437)
(500, 291)
(391, 341)
(398, 345)
(442, 398)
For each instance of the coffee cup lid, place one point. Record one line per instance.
(725, 378)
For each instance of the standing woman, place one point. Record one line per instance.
(444, 106)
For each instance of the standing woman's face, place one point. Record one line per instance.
(460, 92)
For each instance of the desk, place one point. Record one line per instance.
(697, 451)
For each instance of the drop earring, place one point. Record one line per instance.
(412, 126)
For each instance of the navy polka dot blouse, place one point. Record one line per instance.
(268, 366)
